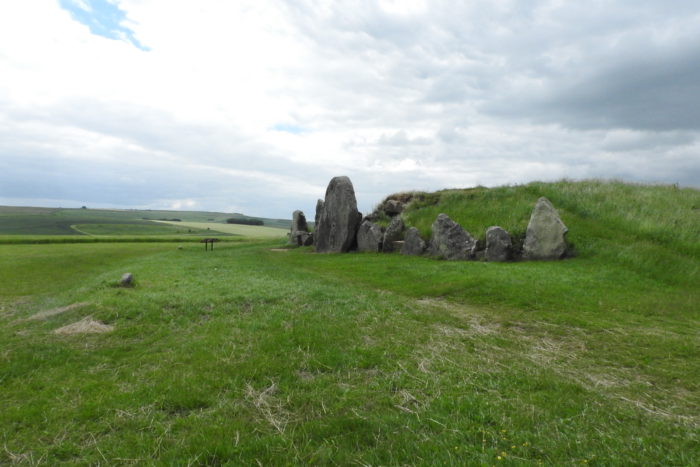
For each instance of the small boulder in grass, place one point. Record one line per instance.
(127, 280)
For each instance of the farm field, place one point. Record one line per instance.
(254, 231)
(61, 221)
(258, 354)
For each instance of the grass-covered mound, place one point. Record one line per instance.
(654, 229)
(252, 354)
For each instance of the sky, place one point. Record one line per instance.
(253, 106)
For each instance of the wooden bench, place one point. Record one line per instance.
(207, 242)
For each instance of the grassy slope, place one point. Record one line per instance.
(247, 354)
(58, 221)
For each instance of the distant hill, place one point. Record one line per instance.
(60, 221)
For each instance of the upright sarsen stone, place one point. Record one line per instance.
(545, 238)
(450, 241)
(339, 219)
(413, 244)
(394, 233)
(299, 233)
(319, 209)
(499, 246)
(369, 237)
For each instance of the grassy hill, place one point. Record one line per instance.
(253, 354)
(63, 221)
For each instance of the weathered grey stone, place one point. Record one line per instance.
(499, 246)
(450, 241)
(299, 222)
(369, 237)
(413, 243)
(299, 232)
(339, 219)
(319, 209)
(127, 280)
(393, 207)
(393, 234)
(545, 238)
(300, 238)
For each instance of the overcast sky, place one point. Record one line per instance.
(252, 106)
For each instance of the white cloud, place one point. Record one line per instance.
(396, 95)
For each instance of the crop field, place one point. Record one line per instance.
(256, 354)
(60, 221)
(254, 231)
(156, 228)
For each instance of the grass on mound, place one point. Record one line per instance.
(653, 229)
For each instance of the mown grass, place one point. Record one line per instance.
(247, 355)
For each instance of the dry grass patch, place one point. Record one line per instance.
(86, 325)
(269, 406)
(57, 311)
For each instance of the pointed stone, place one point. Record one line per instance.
(545, 238)
(450, 241)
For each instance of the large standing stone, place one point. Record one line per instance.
(339, 218)
(413, 244)
(299, 232)
(394, 233)
(450, 241)
(499, 246)
(545, 236)
(369, 237)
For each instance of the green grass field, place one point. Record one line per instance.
(257, 355)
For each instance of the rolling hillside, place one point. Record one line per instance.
(61, 221)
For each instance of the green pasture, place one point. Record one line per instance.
(255, 354)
